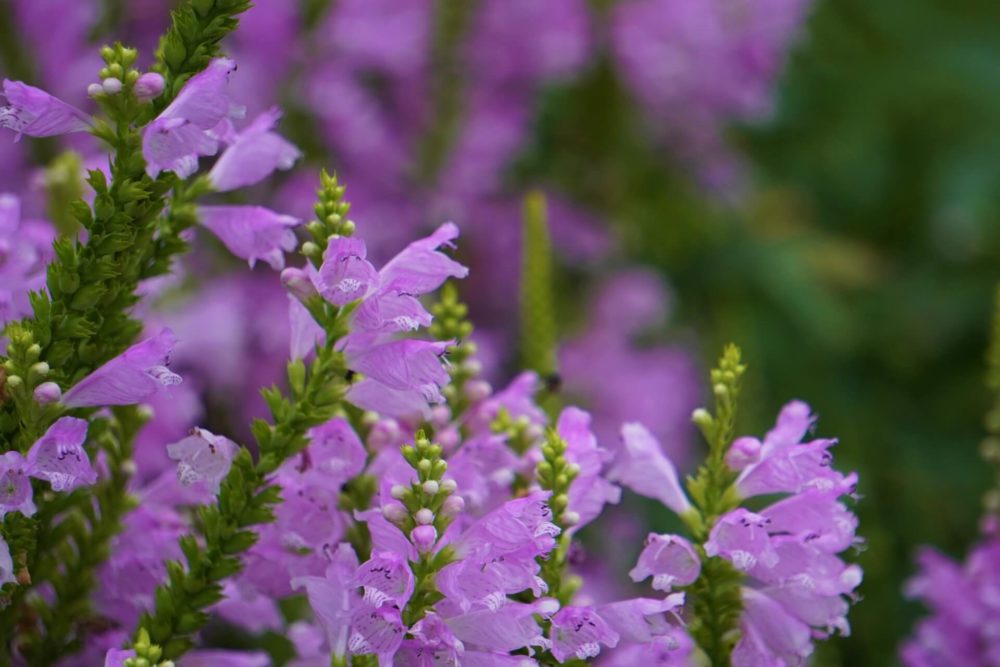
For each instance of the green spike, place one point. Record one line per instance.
(538, 328)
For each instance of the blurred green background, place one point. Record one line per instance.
(857, 275)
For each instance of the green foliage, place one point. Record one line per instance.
(196, 30)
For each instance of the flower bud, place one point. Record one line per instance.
(111, 85)
(570, 518)
(449, 486)
(424, 537)
(743, 452)
(297, 283)
(440, 415)
(394, 513)
(431, 487)
(47, 392)
(478, 390)
(149, 86)
(95, 90)
(398, 491)
(424, 516)
(453, 505)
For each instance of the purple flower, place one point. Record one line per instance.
(579, 632)
(589, 491)
(642, 466)
(116, 657)
(332, 597)
(962, 599)
(189, 127)
(335, 453)
(420, 267)
(386, 579)
(15, 487)
(377, 630)
(25, 250)
(34, 112)
(253, 154)
(670, 560)
(203, 457)
(741, 537)
(786, 464)
(148, 86)
(405, 365)
(6, 564)
(59, 457)
(251, 232)
(508, 628)
(134, 376)
(346, 275)
(224, 658)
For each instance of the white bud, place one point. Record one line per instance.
(397, 491)
(424, 516)
(394, 513)
(449, 486)
(431, 487)
(453, 505)
(478, 390)
(95, 90)
(570, 518)
(111, 85)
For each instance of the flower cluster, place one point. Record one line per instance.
(394, 508)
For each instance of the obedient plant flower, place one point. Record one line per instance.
(670, 559)
(252, 155)
(59, 458)
(34, 112)
(15, 485)
(191, 125)
(961, 629)
(251, 232)
(642, 466)
(6, 564)
(25, 251)
(203, 457)
(132, 377)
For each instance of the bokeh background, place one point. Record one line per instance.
(817, 182)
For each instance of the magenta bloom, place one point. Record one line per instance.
(203, 457)
(642, 466)
(25, 251)
(962, 599)
(346, 275)
(134, 376)
(589, 491)
(253, 154)
(670, 559)
(15, 487)
(59, 457)
(785, 464)
(190, 126)
(579, 632)
(251, 232)
(34, 112)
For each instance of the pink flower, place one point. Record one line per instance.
(59, 457)
(203, 457)
(253, 154)
(642, 466)
(134, 376)
(34, 112)
(670, 560)
(251, 232)
(190, 126)
(15, 487)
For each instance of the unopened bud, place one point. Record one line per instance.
(701, 417)
(440, 415)
(398, 491)
(111, 85)
(570, 518)
(14, 381)
(423, 537)
(478, 390)
(452, 505)
(449, 486)
(394, 513)
(41, 369)
(297, 282)
(95, 90)
(431, 487)
(743, 452)
(47, 392)
(424, 516)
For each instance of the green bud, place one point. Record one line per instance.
(14, 381)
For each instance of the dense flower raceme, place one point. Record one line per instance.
(965, 613)
(796, 588)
